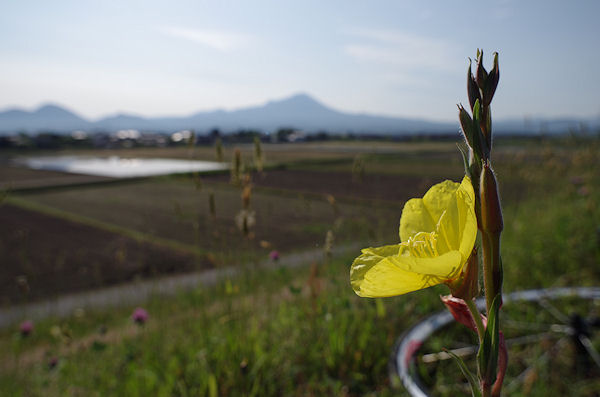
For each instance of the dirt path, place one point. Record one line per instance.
(138, 292)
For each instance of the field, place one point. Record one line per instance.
(274, 330)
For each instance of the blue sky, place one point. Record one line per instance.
(401, 58)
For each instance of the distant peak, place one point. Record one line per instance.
(51, 108)
(302, 96)
(300, 99)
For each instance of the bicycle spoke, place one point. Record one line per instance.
(527, 339)
(587, 343)
(440, 356)
(468, 350)
(545, 303)
(535, 326)
(539, 331)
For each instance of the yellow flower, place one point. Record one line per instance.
(437, 235)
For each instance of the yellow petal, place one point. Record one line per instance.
(376, 273)
(466, 200)
(457, 227)
(422, 215)
(446, 266)
(447, 207)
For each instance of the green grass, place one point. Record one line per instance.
(265, 333)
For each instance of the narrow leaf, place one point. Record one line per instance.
(487, 356)
(468, 374)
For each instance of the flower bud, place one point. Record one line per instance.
(482, 140)
(466, 124)
(491, 211)
(491, 83)
(482, 75)
(472, 132)
(472, 89)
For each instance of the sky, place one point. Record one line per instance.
(396, 58)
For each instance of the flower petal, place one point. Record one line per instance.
(422, 215)
(376, 274)
(447, 265)
(457, 227)
(468, 220)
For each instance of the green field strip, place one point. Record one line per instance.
(105, 226)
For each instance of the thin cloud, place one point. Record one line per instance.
(219, 40)
(400, 49)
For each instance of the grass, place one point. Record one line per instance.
(303, 331)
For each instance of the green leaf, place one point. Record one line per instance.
(487, 356)
(468, 374)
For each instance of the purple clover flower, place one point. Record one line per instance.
(26, 328)
(139, 316)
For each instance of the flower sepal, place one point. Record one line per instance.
(466, 286)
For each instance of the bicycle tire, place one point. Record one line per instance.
(408, 344)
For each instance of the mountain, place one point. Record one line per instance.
(46, 118)
(298, 111)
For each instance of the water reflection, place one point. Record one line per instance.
(117, 167)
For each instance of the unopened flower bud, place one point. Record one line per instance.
(491, 211)
(472, 132)
(466, 125)
(472, 89)
(491, 83)
(482, 75)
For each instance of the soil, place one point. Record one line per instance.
(55, 256)
(43, 256)
(341, 185)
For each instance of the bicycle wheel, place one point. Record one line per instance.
(552, 341)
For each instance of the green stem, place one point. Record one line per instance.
(492, 266)
(488, 275)
(477, 318)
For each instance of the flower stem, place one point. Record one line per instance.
(476, 318)
(492, 266)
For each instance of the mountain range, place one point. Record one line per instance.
(298, 111)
